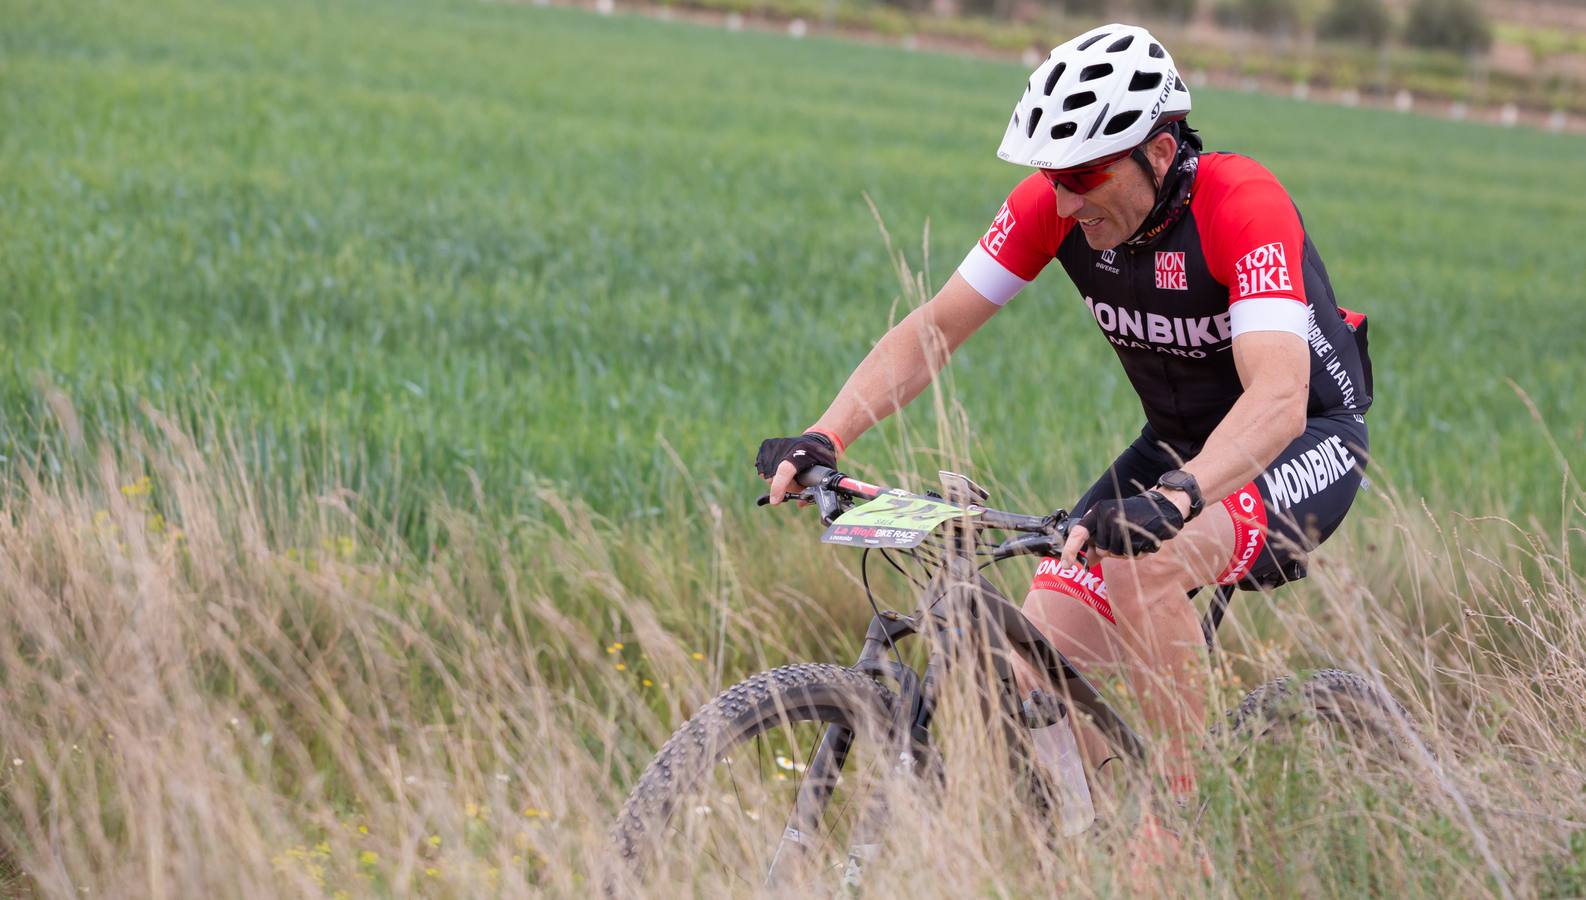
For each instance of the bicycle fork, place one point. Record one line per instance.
(910, 719)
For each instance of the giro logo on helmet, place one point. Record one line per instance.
(1167, 90)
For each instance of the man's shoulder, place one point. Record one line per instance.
(1223, 176)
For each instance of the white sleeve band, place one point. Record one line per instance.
(987, 276)
(1269, 314)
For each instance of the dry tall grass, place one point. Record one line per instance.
(214, 687)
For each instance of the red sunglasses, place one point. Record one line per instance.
(1085, 178)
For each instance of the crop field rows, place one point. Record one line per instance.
(380, 389)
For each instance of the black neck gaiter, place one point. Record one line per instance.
(1173, 195)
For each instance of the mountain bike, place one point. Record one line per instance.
(774, 781)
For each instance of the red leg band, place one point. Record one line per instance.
(1249, 513)
(1084, 585)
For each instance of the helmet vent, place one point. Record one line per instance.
(1054, 75)
(1075, 101)
(1145, 81)
(1099, 70)
(1156, 51)
(1178, 84)
(1064, 130)
(1120, 44)
(1121, 122)
(1091, 40)
(1035, 119)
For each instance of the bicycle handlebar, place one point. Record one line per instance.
(1044, 535)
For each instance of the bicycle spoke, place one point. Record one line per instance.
(719, 861)
(742, 807)
(724, 818)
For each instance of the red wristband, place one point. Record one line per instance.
(831, 435)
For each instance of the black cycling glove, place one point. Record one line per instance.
(1134, 525)
(805, 452)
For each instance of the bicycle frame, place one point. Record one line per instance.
(956, 596)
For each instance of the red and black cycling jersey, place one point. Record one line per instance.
(1238, 261)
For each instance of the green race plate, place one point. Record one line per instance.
(896, 518)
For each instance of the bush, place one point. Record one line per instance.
(1266, 16)
(1169, 10)
(1361, 21)
(1457, 25)
(1085, 8)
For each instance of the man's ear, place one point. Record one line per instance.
(1161, 151)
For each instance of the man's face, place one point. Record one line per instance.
(1113, 210)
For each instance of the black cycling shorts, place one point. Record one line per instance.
(1297, 503)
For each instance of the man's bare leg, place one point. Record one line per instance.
(1089, 642)
(1157, 643)
(1161, 635)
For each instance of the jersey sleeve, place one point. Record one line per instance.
(1255, 244)
(1022, 239)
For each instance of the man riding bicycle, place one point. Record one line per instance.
(1197, 268)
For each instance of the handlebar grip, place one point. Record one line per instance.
(813, 475)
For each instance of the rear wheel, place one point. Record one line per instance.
(1348, 704)
(716, 808)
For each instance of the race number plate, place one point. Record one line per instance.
(894, 519)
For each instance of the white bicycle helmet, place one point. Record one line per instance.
(1100, 94)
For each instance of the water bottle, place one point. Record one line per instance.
(1058, 753)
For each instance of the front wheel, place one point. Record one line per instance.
(771, 777)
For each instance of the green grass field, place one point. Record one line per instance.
(381, 383)
(411, 241)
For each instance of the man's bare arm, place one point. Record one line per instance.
(906, 358)
(1275, 368)
(900, 365)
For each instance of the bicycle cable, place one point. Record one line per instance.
(894, 564)
(864, 576)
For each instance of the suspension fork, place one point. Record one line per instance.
(802, 831)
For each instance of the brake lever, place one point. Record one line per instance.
(804, 495)
(829, 503)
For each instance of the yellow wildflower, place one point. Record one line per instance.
(649, 683)
(368, 857)
(363, 829)
(622, 667)
(471, 809)
(432, 871)
(697, 655)
(139, 488)
(435, 840)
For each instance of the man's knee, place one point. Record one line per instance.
(1080, 631)
(1192, 559)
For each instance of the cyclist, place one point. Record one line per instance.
(1197, 268)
